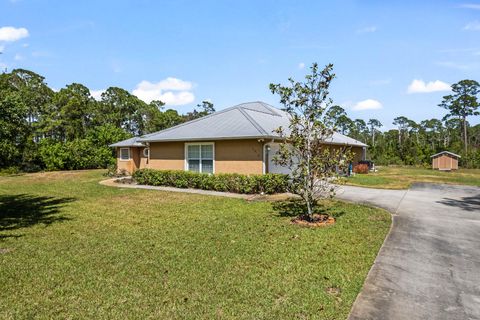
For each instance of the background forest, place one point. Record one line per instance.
(69, 129)
(41, 129)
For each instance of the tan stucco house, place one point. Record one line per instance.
(239, 139)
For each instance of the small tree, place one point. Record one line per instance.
(313, 164)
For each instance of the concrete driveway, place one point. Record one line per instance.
(429, 265)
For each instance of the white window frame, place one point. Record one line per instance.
(120, 154)
(200, 158)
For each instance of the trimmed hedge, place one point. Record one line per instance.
(238, 183)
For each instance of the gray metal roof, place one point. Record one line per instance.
(254, 120)
(132, 142)
(446, 152)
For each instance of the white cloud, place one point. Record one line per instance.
(2, 48)
(474, 6)
(301, 65)
(369, 104)
(472, 26)
(171, 91)
(420, 86)
(97, 94)
(12, 33)
(368, 29)
(18, 57)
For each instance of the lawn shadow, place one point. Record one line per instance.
(464, 203)
(295, 207)
(23, 210)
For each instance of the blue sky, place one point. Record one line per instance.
(229, 51)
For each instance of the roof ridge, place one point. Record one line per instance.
(253, 122)
(272, 113)
(238, 106)
(270, 107)
(189, 122)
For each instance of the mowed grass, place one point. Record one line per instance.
(73, 249)
(396, 177)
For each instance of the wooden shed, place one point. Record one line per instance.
(445, 160)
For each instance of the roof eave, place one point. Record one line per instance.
(126, 145)
(265, 137)
(446, 152)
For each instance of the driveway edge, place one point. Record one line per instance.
(393, 217)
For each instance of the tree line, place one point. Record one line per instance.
(412, 143)
(69, 129)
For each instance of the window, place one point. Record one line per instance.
(124, 154)
(199, 157)
(146, 152)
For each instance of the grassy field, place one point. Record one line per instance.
(402, 177)
(71, 249)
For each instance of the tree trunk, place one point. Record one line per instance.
(465, 140)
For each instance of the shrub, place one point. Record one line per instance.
(73, 155)
(228, 182)
(9, 171)
(360, 168)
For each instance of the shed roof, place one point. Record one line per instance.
(132, 142)
(251, 120)
(446, 152)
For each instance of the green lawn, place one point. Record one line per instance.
(71, 248)
(396, 177)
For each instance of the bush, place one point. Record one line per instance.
(9, 171)
(74, 155)
(360, 168)
(228, 182)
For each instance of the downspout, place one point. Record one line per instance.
(148, 154)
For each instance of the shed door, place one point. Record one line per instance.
(444, 162)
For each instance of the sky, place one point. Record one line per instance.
(391, 58)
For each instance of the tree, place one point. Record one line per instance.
(373, 125)
(402, 123)
(33, 90)
(206, 109)
(334, 115)
(313, 164)
(13, 128)
(344, 124)
(73, 113)
(433, 128)
(360, 129)
(123, 109)
(463, 103)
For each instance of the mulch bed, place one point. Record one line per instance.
(317, 220)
